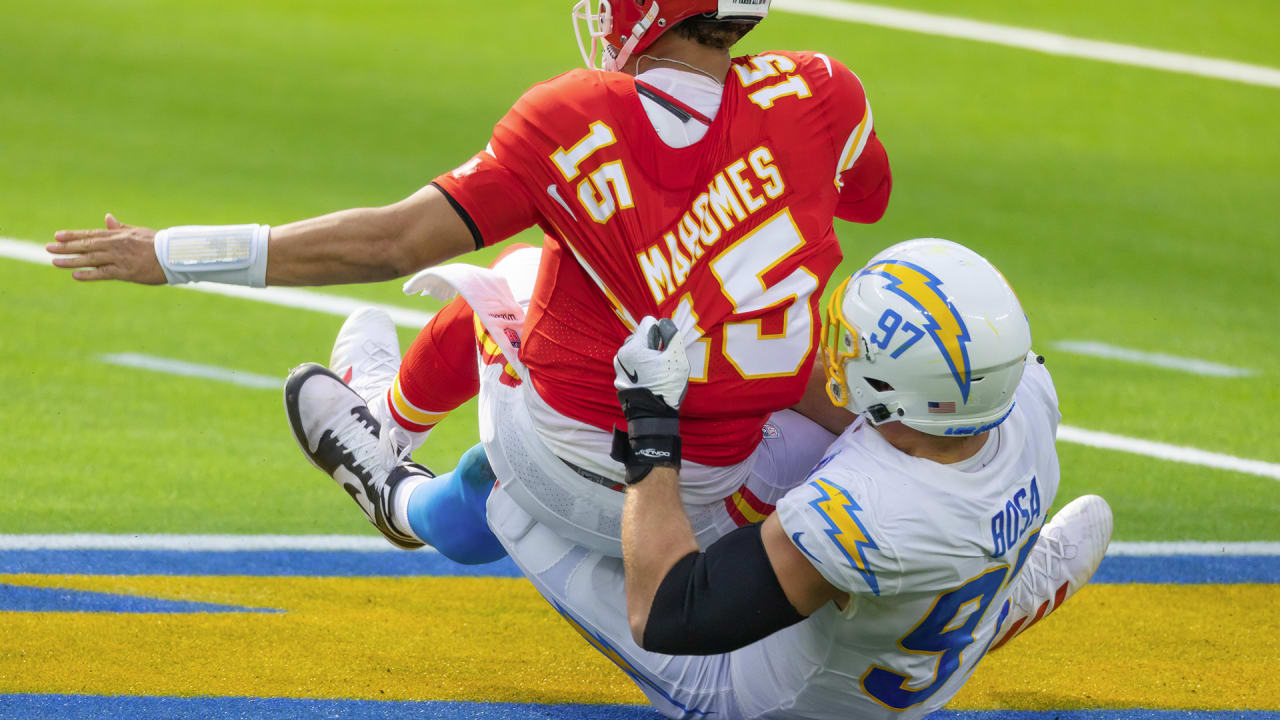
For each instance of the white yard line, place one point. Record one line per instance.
(1035, 40)
(24, 251)
(194, 370)
(317, 302)
(1066, 433)
(27, 251)
(362, 543)
(1164, 451)
(286, 297)
(1195, 366)
(1155, 549)
(216, 543)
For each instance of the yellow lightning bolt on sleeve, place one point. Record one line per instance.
(837, 508)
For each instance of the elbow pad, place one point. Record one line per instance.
(720, 600)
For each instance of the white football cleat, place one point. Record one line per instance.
(366, 353)
(339, 435)
(1066, 555)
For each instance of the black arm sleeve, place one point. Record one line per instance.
(720, 600)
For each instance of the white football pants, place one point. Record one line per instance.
(586, 586)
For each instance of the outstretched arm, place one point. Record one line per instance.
(351, 246)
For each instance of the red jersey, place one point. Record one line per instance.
(732, 236)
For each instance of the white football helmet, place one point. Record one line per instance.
(929, 334)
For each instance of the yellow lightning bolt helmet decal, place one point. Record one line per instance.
(846, 530)
(923, 290)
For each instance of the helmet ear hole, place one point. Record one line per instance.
(878, 385)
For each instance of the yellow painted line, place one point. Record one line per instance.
(495, 639)
(1201, 647)
(482, 639)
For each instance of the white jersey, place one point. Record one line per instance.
(927, 553)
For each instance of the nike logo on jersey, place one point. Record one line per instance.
(795, 540)
(554, 192)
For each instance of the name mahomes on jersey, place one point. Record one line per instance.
(731, 236)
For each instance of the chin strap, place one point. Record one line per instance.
(615, 63)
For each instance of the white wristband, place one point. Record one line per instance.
(230, 254)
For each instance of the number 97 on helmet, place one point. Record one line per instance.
(929, 334)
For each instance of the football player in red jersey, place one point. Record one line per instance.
(679, 182)
(689, 184)
(668, 193)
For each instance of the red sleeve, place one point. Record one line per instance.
(489, 198)
(863, 166)
(865, 195)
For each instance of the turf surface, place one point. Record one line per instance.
(397, 638)
(1127, 206)
(97, 707)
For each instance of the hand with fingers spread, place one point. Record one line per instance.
(120, 252)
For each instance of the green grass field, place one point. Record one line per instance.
(1133, 207)
(1128, 206)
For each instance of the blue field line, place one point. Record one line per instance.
(1129, 714)
(1177, 569)
(20, 598)
(99, 707)
(1190, 569)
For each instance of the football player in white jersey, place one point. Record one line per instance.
(916, 546)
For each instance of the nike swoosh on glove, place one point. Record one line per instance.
(653, 358)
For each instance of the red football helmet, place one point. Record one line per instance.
(626, 27)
